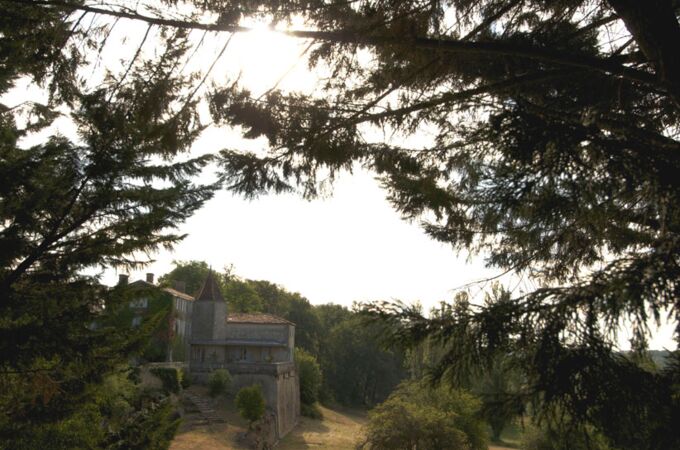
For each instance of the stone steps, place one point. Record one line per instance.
(205, 408)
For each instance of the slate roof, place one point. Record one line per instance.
(171, 291)
(179, 294)
(256, 318)
(210, 290)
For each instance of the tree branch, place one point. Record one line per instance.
(549, 55)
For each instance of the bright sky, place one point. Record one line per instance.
(350, 247)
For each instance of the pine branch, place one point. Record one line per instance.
(549, 55)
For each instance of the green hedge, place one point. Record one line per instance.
(186, 380)
(171, 378)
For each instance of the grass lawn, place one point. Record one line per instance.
(339, 429)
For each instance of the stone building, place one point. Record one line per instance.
(254, 348)
(150, 300)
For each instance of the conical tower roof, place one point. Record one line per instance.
(210, 292)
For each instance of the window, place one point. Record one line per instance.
(136, 321)
(139, 303)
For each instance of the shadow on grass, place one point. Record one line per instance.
(339, 429)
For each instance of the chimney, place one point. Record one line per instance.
(123, 279)
(149, 277)
(179, 286)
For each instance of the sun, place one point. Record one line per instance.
(266, 58)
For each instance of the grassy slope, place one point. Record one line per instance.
(339, 429)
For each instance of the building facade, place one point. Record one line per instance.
(171, 343)
(254, 348)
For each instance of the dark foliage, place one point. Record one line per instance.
(171, 378)
(73, 202)
(310, 375)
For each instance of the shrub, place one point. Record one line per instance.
(419, 416)
(186, 379)
(559, 438)
(219, 382)
(169, 376)
(311, 411)
(310, 376)
(250, 403)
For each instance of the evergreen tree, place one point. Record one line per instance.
(70, 204)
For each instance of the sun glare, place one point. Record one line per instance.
(265, 58)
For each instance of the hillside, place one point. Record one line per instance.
(339, 429)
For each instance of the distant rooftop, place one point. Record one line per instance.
(171, 291)
(256, 318)
(179, 294)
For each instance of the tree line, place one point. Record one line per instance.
(356, 368)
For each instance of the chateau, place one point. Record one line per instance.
(254, 348)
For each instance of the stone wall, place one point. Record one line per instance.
(288, 406)
(258, 332)
(281, 393)
(208, 320)
(280, 387)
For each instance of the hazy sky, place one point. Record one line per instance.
(350, 246)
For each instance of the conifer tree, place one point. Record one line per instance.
(70, 205)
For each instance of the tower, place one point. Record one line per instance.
(209, 312)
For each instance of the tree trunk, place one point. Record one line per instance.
(654, 26)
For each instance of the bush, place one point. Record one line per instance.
(219, 382)
(310, 376)
(186, 379)
(418, 416)
(557, 438)
(250, 403)
(169, 376)
(311, 411)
